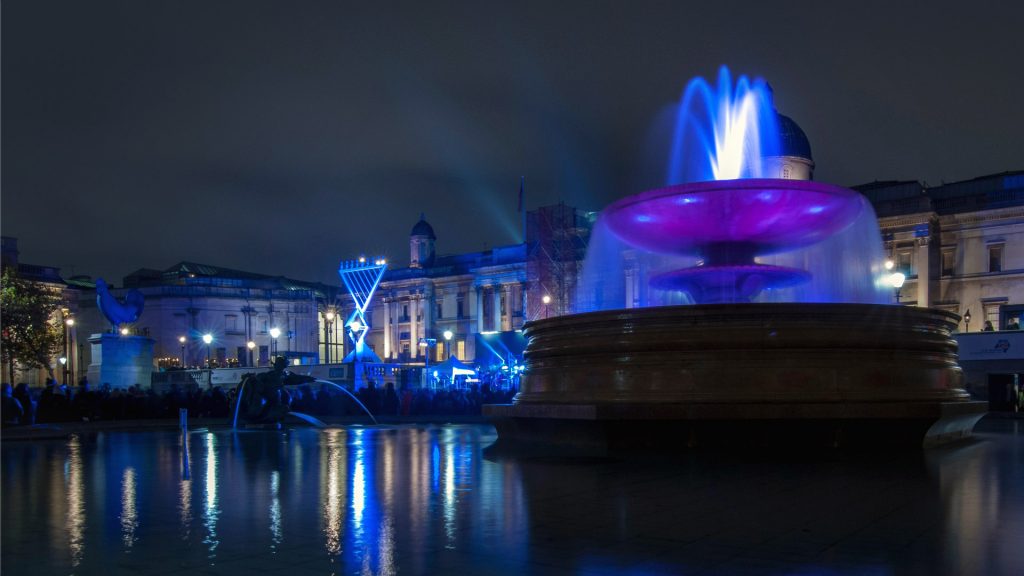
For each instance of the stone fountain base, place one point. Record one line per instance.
(837, 375)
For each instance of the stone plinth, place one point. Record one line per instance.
(120, 361)
(827, 374)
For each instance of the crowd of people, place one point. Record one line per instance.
(59, 403)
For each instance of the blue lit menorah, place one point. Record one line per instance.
(361, 277)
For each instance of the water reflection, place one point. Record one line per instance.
(76, 501)
(211, 513)
(275, 511)
(129, 514)
(185, 491)
(333, 492)
(422, 500)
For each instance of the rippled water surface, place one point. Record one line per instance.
(425, 500)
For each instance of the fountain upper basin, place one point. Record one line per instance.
(755, 217)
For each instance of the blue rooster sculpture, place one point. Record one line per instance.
(118, 312)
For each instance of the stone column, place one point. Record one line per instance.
(506, 324)
(630, 291)
(428, 310)
(497, 306)
(387, 328)
(414, 340)
(921, 262)
(479, 309)
(522, 296)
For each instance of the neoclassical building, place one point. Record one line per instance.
(961, 245)
(481, 298)
(189, 300)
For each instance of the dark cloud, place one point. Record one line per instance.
(282, 137)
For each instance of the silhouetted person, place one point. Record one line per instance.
(11, 410)
(22, 394)
(988, 327)
(391, 404)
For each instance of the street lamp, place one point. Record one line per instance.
(546, 300)
(328, 320)
(208, 339)
(274, 333)
(124, 331)
(897, 279)
(68, 323)
(967, 319)
(250, 345)
(181, 340)
(426, 343)
(448, 342)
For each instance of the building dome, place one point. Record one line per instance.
(422, 228)
(792, 139)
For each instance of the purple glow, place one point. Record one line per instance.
(727, 224)
(750, 217)
(721, 232)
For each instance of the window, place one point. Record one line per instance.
(440, 310)
(905, 261)
(265, 355)
(787, 171)
(231, 325)
(948, 261)
(242, 357)
(460, 349)
(995, 258)
(460, 313)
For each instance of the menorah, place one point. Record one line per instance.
(361, 278)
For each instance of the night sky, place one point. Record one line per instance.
(280, 137)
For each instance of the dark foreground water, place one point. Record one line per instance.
(424, 500)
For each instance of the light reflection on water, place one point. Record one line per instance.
(211, 513)
(129, 513)
(424, 500)
(76, 502)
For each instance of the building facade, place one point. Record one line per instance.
(63, 366)
(478, 296)
(189, 300)
(960, 245)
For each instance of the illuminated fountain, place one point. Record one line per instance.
(738, 305)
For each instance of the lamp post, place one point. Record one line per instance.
(448, 343)
(68, 323)
(328, 320)
(967, 320)
(546, 300)
(274, 333)
(181, 340)
(208, 339)
(250, 345)
(897, 279)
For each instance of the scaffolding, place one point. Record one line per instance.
(556, 240)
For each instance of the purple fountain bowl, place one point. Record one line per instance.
(739, 283)
(764, 216)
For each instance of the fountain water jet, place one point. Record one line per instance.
(789, 337)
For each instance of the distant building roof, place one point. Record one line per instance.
(895, 198)
(423, 228)
(792, 139)
(196, 274)
(456, 264)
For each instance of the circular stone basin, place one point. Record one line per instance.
(839, 354)
(750, 217)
